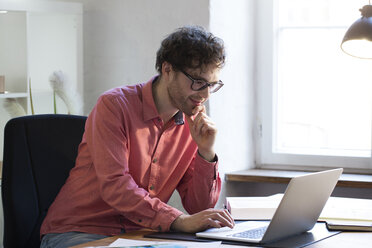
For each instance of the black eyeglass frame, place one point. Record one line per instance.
(194, 83)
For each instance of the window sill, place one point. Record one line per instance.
(280, 176)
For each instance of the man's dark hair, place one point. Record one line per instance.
(191, 47)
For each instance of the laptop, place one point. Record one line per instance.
(298, 211)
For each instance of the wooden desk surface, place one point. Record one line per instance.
(132, 235)
(342, 240)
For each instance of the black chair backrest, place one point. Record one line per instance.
(39, 152)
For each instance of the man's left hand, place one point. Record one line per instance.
(203, 130)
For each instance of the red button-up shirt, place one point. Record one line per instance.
(128, 165)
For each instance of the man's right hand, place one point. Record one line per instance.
(203, 220)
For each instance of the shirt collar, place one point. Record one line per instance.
(149, 108)
(178, 118)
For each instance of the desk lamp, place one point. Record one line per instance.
(357, 41)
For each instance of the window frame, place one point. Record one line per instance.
(267, 50)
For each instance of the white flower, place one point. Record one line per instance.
(63, 89)
(13, 108)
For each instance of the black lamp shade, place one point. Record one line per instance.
(357, 41)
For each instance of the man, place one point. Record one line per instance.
(137, 149)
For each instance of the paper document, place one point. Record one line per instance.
(253, 208)
(161, 244)
(353, 209)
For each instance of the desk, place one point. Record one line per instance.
(342, 240)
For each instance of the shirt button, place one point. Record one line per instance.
(155, 160)
(140, 220)
(152, 187)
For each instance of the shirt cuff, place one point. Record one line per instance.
(165, 217)
(215, 159)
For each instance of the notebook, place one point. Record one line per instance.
(298, 211)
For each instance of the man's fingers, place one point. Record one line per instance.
(229, 217)
(213, 223)
(208, 127)
(223, 219)
(198, 109)
(189, 121)
(197, 123)
(203, 124)
(205, 219)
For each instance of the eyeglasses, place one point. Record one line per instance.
(198, 84)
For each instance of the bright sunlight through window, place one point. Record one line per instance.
(323, 96)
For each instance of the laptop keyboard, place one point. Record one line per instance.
(251, 234)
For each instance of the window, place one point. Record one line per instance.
(314, 101)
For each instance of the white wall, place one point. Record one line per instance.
(121, 38)
(13, 63)
(53, 41)
(232, 108)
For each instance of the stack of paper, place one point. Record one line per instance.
(348, 214)
(352, 209)
(131, 243)
(253, 208)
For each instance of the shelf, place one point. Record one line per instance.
(13, 95)
(278, 176)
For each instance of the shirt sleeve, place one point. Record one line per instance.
(108, 145)
(200, 187)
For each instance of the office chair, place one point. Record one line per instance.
(39, 152)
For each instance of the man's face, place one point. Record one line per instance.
(181, 94)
